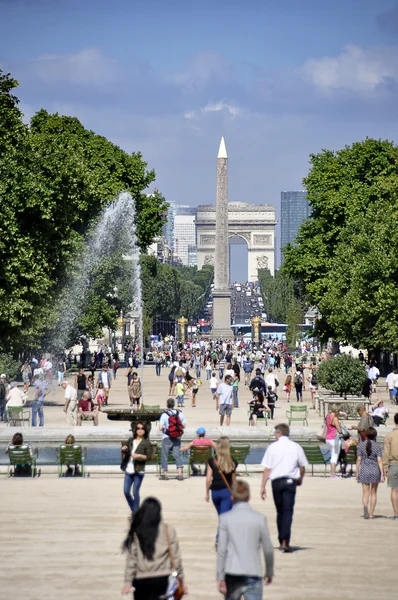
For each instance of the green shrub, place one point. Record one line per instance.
(9, 366)
(342, 374)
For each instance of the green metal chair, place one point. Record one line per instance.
(71, 454)
(199, 455)
(22, 460)
(240, 452)
(351, 457)
(264, 418)
(315, 456)
(298, 413)
(16, 415)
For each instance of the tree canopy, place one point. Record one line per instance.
(56, 178)
(345, 256)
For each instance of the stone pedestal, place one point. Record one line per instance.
(221, 314)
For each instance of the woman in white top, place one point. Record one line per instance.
(135, 454)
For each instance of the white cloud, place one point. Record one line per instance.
(87, 67)
(211, 107)
(356, 69)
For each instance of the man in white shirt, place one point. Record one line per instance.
(379, 411)
(391, 383)
(70, 407)
(224, 400)
(271, 380)
(373, 375)
(284, 464)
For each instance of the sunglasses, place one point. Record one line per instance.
(140, 427)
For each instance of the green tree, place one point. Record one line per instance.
(342, 374)
(294, 317)
(343, 255)
(56, 177)
(278, 293)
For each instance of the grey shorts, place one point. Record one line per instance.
(392, 481)
(225, 409)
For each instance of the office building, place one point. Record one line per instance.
(173, 211)
(295, 209)
(184, 236)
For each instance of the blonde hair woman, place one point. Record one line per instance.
(220, 477)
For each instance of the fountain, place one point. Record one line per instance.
(114, 234)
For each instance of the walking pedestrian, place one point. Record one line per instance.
(171, 380)
(153, 553)
(37, 406)
(235, 388)
(243, 537)
(135, 391)
(333, 437)
(80, 384)
(390, 464)
(284, 464)
(105, 378)
(298, 384)
(172, 425)
(220, 477)
(369, 471)
(224, 400)
(26, 375)
(70, 406)
(135, 454)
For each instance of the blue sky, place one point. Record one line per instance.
(279, 79)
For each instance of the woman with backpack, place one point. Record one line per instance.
(299, 384)
(153, 554)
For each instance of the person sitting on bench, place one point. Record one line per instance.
(86, 411)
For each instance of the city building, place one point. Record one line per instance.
(172, 211)
(161, 249)
(192, 256)
(184, 236)
(295, 209)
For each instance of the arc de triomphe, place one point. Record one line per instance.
(252, 223)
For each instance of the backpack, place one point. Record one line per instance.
(297, 379)
(175, 428)
(2, 391)
(314, 380)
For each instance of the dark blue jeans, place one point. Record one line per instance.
(158, 367)
(133, 480)
(284, 493)
(222, 500)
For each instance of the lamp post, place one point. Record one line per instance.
(182, 322)
(256, 329)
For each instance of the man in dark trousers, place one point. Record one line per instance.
(284, 464)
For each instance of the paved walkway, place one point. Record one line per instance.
(60, 539)
(156, 392)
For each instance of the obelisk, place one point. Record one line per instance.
(221, 292)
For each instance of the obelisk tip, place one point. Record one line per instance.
(222, 151)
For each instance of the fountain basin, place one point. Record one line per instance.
(134, 416)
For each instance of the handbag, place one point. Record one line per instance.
(175, 587)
